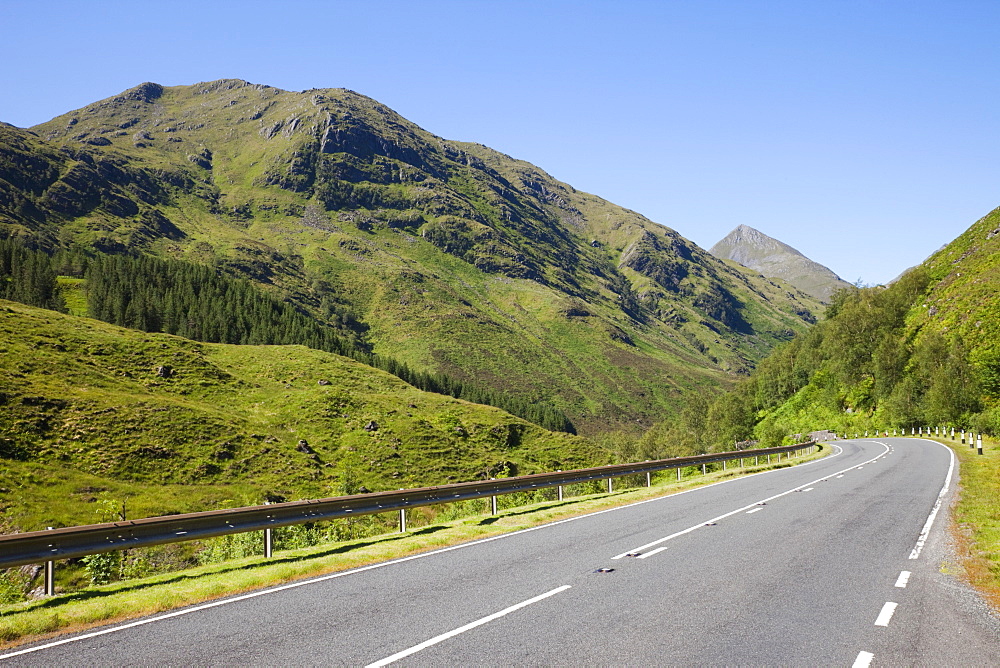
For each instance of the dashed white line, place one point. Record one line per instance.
(864, 660)
(755, 510)
(904, 578)
(651, 552)
(808, 489)
(462, 629)
(841, 475)
(886, 614)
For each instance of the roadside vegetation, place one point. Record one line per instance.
(976, 519)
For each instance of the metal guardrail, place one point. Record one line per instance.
(46, 546)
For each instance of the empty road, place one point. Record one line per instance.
(833, 562)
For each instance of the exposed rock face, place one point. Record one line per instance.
(774, 259)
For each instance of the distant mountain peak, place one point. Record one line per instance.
(772, 258)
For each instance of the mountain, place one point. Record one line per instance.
(90, 409)
(446, 256)
(755, 250)
(923, 351)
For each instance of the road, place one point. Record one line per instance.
(833, 562)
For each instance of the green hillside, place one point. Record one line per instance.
(924, 351)
(90, 411)
(446, 256)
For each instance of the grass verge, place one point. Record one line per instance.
(77, 611)
(975, 523)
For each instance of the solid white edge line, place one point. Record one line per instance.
(462, 629)
(903, 579)
(651, 552)
(744, 508)
(886, 614)
(864, 660)
(925, 532)
(339, 574)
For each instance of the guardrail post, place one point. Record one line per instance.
(560, 492)
(703, 469)
(50, 576)
(649, 479)
(678, 474)
(268, 544)
(402, 520)
(769, 458)
(609, 486)
(493, 505)
(723, 464)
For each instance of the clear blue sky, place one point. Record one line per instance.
(864, 134)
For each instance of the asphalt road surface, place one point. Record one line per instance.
(842, 562)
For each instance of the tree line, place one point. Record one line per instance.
(197, 302)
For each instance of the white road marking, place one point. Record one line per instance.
(751, 512)
(841, 475)
(331, 576)
(886, 614)
(651, 552)
(809, 489)
(738, 510)
(925, 532)
(904, 577)
(462, 629)
(864, 660)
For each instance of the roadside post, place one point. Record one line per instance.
(50, 576)
(268, 542)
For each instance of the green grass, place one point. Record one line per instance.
(91, 606)
(72, 291)
(85, 416)
(976, 516)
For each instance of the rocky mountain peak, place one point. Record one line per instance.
(772, 258)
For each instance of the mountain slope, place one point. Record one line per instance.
(450, 257)
(922, 351)
(89, 407)
(774, 259)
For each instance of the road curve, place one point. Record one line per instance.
(834, 562)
